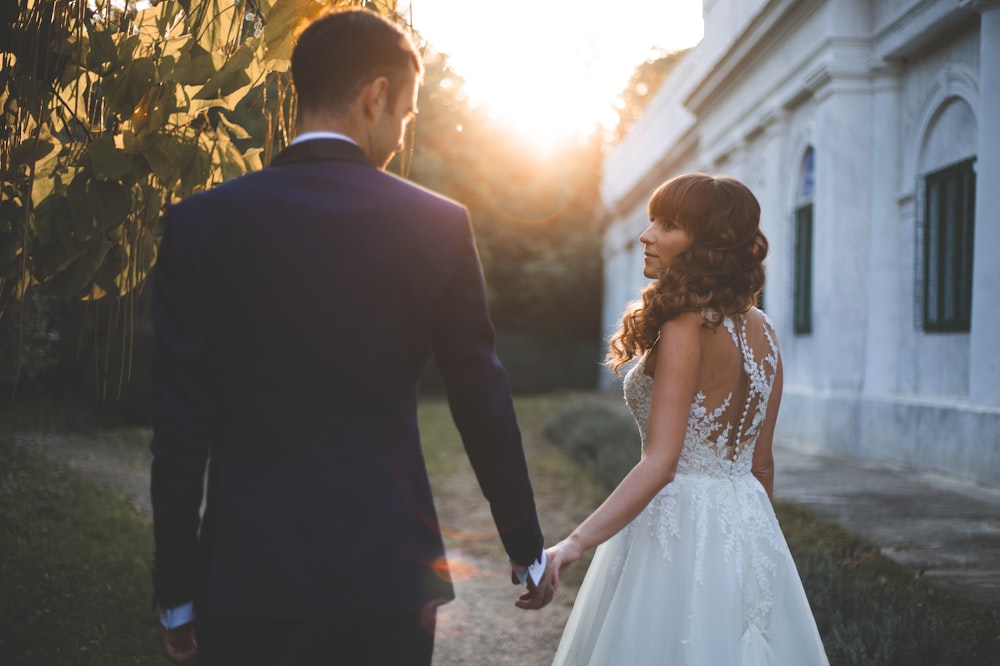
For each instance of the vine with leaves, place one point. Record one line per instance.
(113, 109)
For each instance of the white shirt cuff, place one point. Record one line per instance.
(177, 616)
(536, 570)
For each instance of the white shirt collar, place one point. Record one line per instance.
(309, 136)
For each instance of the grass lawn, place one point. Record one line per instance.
(74, 569)
(873, 611)
(75, 582)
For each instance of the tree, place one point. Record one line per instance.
(642, 86)
(538, 221)
(112, 109)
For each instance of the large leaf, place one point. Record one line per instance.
(170, 12)
(127, 86)
(106, 160)
(31, 151)
(194, 66)
(228, 157)
(198, 169)
(108, 273)
(75, 280)
(232, 76)
(97, 206)
(146, 23)
(213, 22)
(285, 21)
(153, 110)
(232, 129)
(51, 177)
(102, 48)
(11, 220)
(53, 219)
(178, 160)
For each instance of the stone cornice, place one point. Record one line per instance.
(921, 23)
(846, 62)
(778, 17)
(980, 5)
(656, 174)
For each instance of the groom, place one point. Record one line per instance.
(295, 309)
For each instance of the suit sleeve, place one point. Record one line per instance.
(479, 396)
(183, 420)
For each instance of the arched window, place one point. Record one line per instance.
(803, 244)
(948, 218)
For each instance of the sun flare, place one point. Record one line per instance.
(551, 69)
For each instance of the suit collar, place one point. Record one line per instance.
(321, 150)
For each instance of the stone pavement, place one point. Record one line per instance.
(944, 528)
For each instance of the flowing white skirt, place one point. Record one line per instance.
(702, 577)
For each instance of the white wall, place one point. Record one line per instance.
(883, 91)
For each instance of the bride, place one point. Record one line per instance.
(694, 568)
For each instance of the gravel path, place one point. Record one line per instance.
(482, 626)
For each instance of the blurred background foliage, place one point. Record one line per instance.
(113, 109)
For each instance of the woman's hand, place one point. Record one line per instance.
(562, 556)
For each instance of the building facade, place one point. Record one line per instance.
(870, 133)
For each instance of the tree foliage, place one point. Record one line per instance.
(538, 219)
(114, 108)
(111, 110)
(642, 86)
(110, 114)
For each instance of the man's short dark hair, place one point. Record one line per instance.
(343, 50)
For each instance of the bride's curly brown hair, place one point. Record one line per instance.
(721, 272)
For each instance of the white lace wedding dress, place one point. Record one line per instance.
(703, 575)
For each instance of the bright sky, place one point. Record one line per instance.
(552, 68)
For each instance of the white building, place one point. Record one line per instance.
(870, 133)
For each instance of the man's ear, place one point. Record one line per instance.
(374, 96)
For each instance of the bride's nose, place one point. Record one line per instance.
(645, 237)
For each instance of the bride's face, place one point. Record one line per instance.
(663, 240)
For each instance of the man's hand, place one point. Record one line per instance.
(538, 596)
(180, 644)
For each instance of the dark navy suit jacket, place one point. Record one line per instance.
(295, 309)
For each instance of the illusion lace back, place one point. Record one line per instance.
(703, 575)
(719, 441)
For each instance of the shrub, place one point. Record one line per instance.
(604, 440)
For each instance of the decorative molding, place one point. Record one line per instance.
(953, 81)
(920, 24)
(664, 167)
(981, 6)
(777, 18)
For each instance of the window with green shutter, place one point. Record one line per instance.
(949, 221)
(802, 286)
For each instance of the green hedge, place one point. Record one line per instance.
(536, 365)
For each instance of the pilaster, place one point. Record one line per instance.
(984, 379)
(885, 293)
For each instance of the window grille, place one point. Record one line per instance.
(802, 245)
(802, 279)
(949, 221)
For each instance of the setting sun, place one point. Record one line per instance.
(551, 69)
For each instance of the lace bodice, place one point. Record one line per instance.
(704, 562)
(722, 426)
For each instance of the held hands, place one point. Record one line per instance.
(537, 596)
(180, 644)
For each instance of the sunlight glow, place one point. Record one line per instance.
(552, 68)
